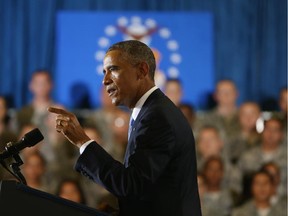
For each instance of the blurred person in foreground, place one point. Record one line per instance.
(283, 109)
(35, 112)
(71, 189)
(279, 193)
(209, 144)
(189, 112)
(6, 135)
(34, 171)
(159, 174)
(173, 90)
(216, 198)
(247, 137)
(225, 115)
(271, 149)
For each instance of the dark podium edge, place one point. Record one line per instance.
(24, 188)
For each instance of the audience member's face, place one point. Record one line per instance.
(121, 79)
(249, 113)
(213, 173)
(33, 167)
(70, 191)
(188, 114)
(283, 100)
(41, 85)
(209, 142)
(3, 109)
(226, 93)
(272, 133)
(262, 188)
(173, 91)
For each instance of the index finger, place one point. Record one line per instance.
(57, 110)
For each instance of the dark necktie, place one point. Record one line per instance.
(129, 149)
(130, 127)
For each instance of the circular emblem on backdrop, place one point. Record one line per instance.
(138, 28)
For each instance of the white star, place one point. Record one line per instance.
(164, 33)
(151, 23)
(99, 55)
(173, 72)
(172, 45)
(175, 58)
(110, 30)
(122, 21)
(103, 42)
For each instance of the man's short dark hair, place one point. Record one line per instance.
(274, 118)
(136, 52)
(42, 71)
(262, 172)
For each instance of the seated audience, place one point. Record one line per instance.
(35, 112)
(271, 149)
(6, 135)
(217, 198)
(189, 112)
(34, 171)
(283, 110)
(173, 90)
(209, 143)
(202, 187)
(279, 190)
(247, 136)
(72, 190)
(225, 115)
(259, 204)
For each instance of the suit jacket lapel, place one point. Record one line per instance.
(130, 149)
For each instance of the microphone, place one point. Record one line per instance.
(28, 140)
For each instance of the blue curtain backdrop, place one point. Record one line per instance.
(250, 40)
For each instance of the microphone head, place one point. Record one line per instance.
(33, 137)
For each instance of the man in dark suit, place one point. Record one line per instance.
(159, 174)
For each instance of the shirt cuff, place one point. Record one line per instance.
(83, 147)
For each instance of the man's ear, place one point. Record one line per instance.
(143, 70)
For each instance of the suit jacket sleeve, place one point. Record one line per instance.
(155, 142)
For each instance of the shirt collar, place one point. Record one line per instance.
(141, 101)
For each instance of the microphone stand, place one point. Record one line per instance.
(15, 166)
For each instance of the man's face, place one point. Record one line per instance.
(121, 79)
(262, 188)
(248, 116)
(174, 91)
(41, 85)
(209, 143)
(214, 173)
(272, 133)
(226, 93)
